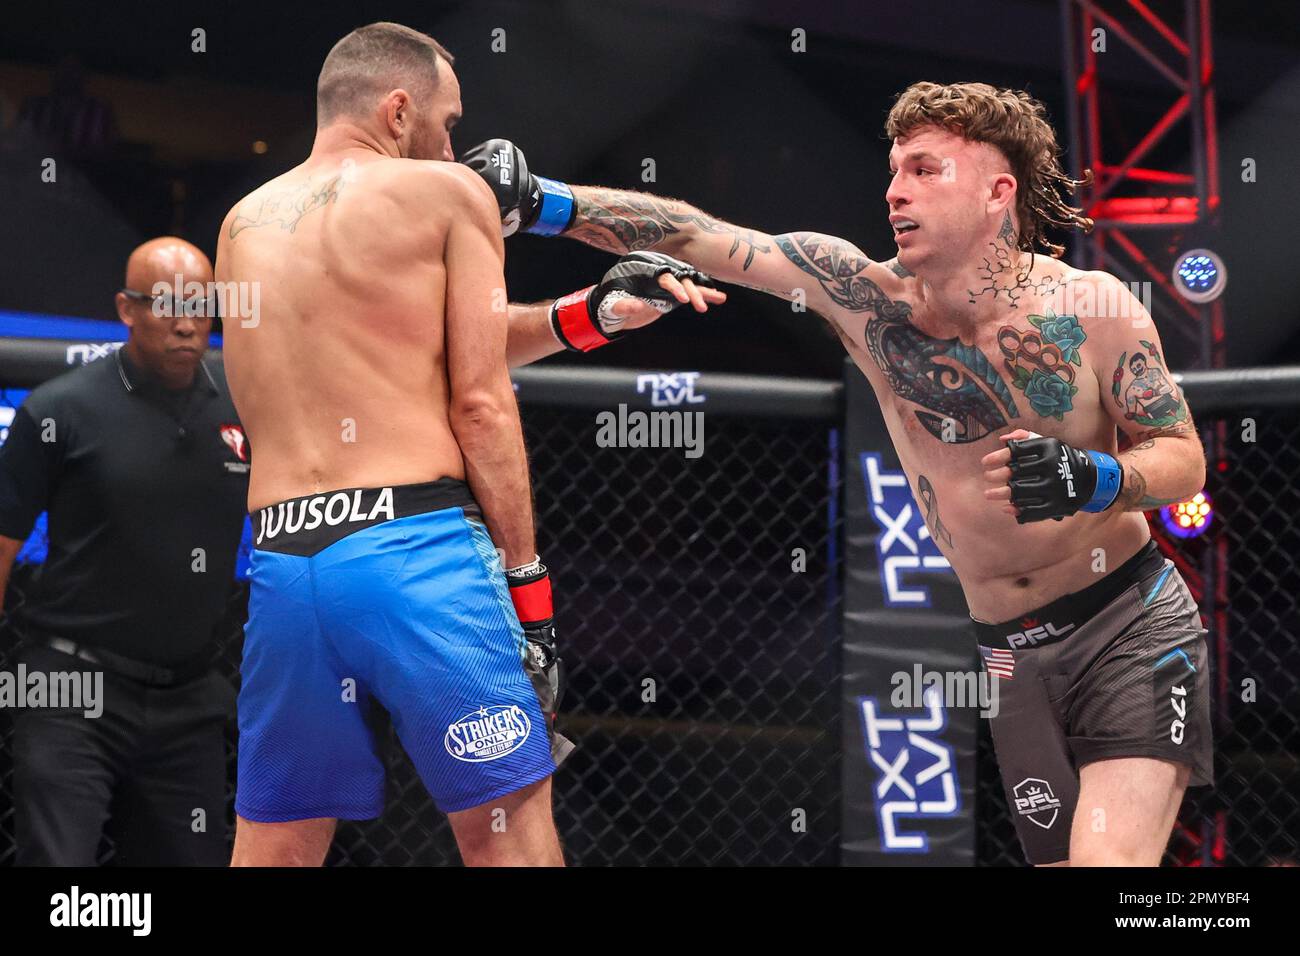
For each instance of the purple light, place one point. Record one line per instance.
(1190, 518)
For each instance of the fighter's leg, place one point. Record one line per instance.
(307, 752)
(515, 830)
(1140, 728)
(295, 843)
(1038, 777)
(423, 600)
(1126, 811)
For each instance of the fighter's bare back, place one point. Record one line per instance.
(341, 381)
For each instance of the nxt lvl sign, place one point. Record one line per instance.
(904, 544)
(907, 769)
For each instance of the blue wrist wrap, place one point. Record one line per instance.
(557, 208)
(1108, 479)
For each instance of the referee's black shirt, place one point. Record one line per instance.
(146, 492)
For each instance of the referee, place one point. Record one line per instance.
(143, 467)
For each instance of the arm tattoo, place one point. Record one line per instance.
(620, 221)
(930, 502)
(963, 396)
(1133, 496)
(1001, 274)
(289, 206)
(1147, 439)
(838, 266)
(1151, 398)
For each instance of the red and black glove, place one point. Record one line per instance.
(586, 320)
(530, 590)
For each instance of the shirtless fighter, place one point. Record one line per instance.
(390, 467)
(976, 347)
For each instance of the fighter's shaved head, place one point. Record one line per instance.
(162, 259)
(371, 61)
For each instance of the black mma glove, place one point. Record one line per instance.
(530, 590)
(1049, 479)
(535, 204)
(585, 320)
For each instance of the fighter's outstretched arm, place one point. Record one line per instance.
(634, 293)
(620, 220)
(823, 271)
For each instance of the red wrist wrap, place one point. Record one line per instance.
(573, 324)
(532, 600)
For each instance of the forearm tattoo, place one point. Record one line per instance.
(963, 396)
(619, 221)
(1147, 440)
(1133, 496)
(287, 207)
(1001, 273)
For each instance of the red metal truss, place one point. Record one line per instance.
(1145, 216)
(1138, 208)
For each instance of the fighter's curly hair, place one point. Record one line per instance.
(1016, 124)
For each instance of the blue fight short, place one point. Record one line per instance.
(394, 595)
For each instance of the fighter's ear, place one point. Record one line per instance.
(397, 112)
(1002, 193)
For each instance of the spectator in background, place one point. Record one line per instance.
(142, 465)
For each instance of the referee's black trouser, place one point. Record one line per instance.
(142, 771)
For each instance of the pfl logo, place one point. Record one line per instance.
(1034, 799)
(1064, 471)
(1034, 633)
(669, 388)
(503, 161)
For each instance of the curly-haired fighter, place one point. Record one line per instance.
(976, 347)
(390, 467)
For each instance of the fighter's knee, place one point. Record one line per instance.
(1113, 855)
(295, 843)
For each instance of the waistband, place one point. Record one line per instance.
(1057, 619)
(306, 525)
(142, 672)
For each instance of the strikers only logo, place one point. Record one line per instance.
(488, 733)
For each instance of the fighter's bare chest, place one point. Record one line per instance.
(1023, 369)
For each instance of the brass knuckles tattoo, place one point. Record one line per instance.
(1042, 362)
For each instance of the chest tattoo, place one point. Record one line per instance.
(961, 395)
(1042, 362)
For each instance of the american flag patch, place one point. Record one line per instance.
(998, 661)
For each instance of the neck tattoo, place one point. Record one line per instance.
(1002, 273)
